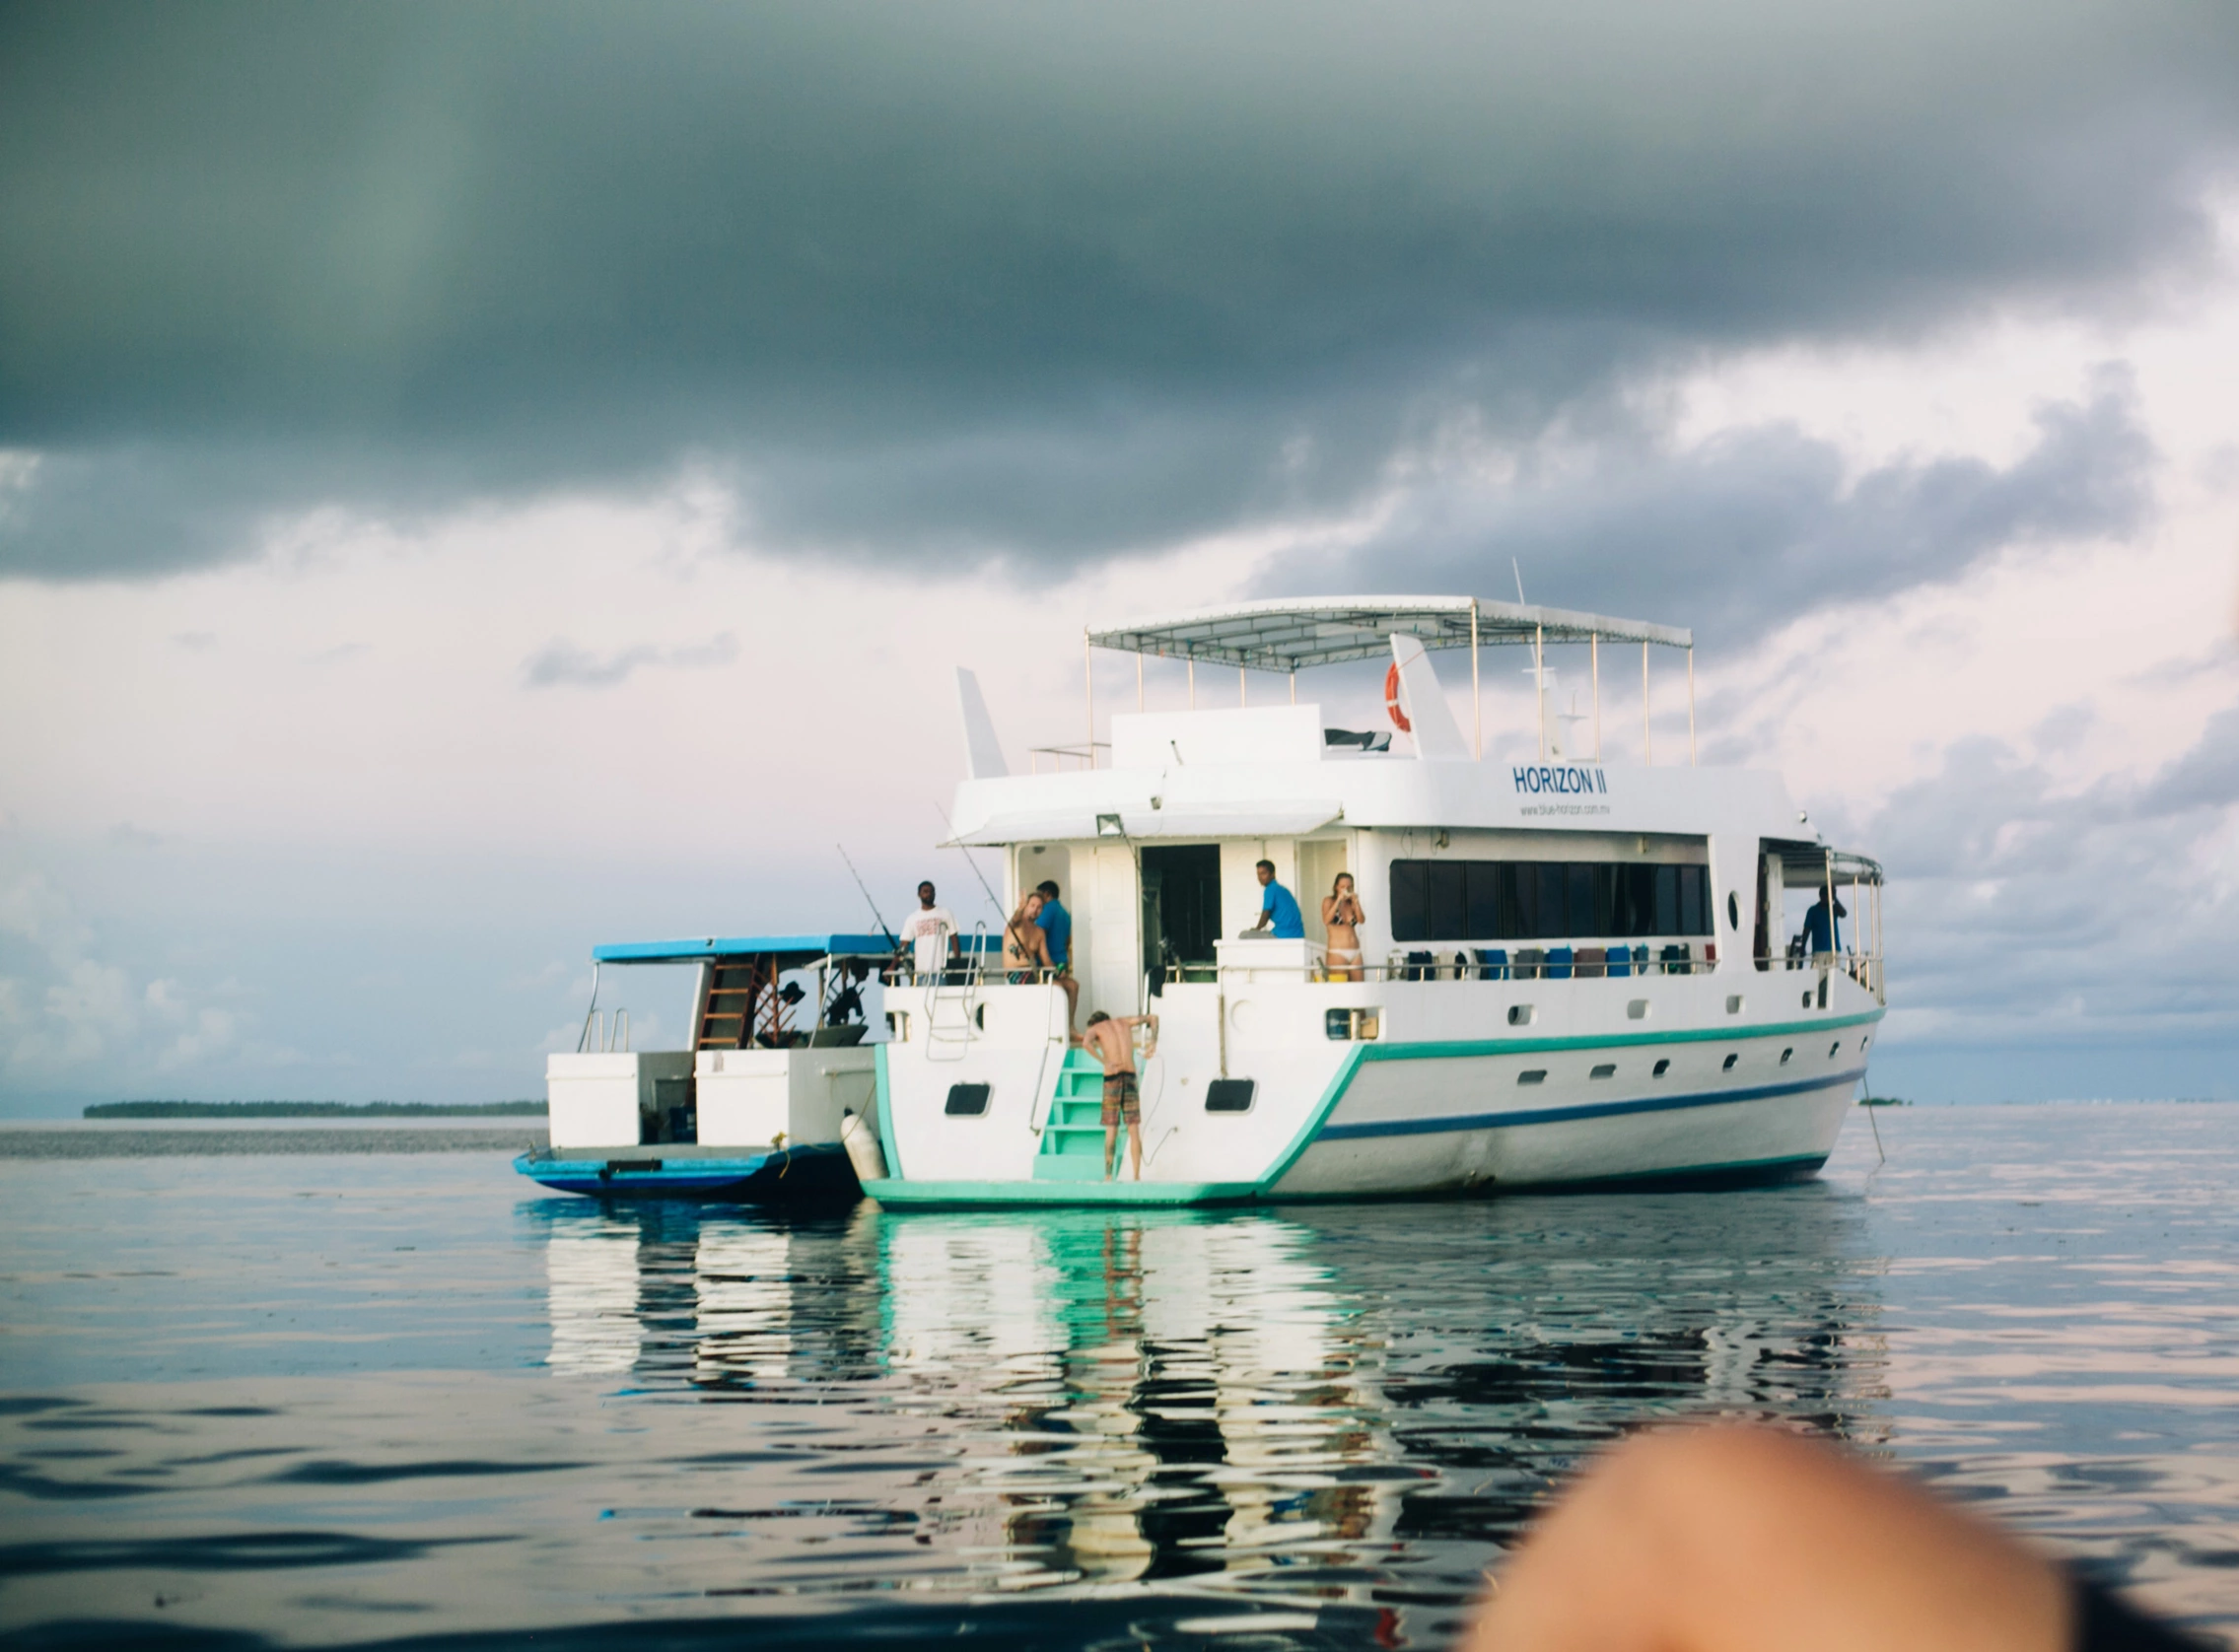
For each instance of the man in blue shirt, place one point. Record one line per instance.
(1057, 926)
(1820, 934)
(1278, 906)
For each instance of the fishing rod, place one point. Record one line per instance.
(883, 927)
(1001, 915)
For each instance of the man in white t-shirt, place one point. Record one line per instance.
(930, 932)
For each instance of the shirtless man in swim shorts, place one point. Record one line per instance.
(1111, 1039)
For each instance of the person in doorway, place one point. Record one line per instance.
(1025, 948)
(1341, 917)
(1111, 1039)
(1057, 930)
(1276, 907)
(1820, 934)
(930, 932)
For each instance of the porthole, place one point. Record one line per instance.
(1729, 1061)
(1520, 1014)
(1605, 1069)
(1807, 1000)
(1832, 1048)
(1637, 1011)
(1733, 910)
(966, 1101)
(1532, 1075)
(1229, 1095)
(1733, 1003)
(1661, 1067)
(1787, 1055)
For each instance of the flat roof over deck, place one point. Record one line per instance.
(703, 948)
(1292, 634)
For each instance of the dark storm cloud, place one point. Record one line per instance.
(1763, 523)
(1031, 282)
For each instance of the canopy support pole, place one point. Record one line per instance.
(1294, 688)
(1193, 685)
(1691, 705)
(1239, 685)
(1476, 700)
(1648, 743)
(1539, 682)
(1138, 683)
(1597, 694)
(1089, 676)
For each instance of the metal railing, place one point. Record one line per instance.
(604, 1033)
(1862, 967)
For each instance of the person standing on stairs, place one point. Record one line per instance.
(1111, 1039)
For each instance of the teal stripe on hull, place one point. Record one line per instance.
(954, 1195)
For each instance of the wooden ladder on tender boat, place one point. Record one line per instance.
(1073, 1138)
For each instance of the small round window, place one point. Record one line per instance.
(1733, 910)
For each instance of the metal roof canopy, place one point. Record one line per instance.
(1814, 862)
(804, 949)
(1291, 634)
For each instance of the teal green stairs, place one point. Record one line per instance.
(1073, 1138)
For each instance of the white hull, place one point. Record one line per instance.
(1455, 1108)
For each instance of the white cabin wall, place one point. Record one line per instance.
(1371, 866)
(1107, 929)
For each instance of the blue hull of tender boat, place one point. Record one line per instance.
(817, 1172)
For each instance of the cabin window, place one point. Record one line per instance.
(1606, 1069)
(1662, 1067)
(1637, 1009)
(1229, 1095)
(1832, 1048)
(968, 1101)
(1787, 1054)
(1545, 900)
(1532, 1075)
(1729, 1061)
(1352, 1023)
(1733, 1003)
(1520, 1014)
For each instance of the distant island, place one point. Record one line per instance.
(312, 1110)
(1883, 1101)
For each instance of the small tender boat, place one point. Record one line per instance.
(754, 1108)
(1571, 971)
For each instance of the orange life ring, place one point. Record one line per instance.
(1391, 699)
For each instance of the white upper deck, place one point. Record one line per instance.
(1269, 770)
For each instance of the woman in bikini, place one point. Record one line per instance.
(1026, 944)
(1341, 917)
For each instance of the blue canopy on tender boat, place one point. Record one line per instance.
(738, 946)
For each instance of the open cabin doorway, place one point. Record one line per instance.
(1181, 908)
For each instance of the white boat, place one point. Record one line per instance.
(1573, 972)
(753, 1107)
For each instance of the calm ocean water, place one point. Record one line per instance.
(354, 1394)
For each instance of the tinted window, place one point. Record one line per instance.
(1229, 1095)
(1545, 900)
(966, 1101)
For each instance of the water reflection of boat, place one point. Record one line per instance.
(1337, 1403)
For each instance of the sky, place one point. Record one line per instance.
(479, 482)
